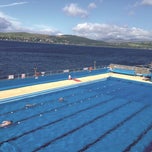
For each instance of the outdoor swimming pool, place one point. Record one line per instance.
(112, 115)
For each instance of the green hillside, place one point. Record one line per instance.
(62, 39)
(71, 40)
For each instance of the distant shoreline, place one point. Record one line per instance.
(73, 40)
(104, 46)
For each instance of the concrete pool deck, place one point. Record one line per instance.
(11, 93)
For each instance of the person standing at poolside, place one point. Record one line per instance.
(69, 77)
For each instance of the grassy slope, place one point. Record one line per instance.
(70, 40)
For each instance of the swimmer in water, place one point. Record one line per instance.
(61, 99)
(5, 123)
(29, 105)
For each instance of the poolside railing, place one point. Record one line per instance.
(37, 73)
(122, 69)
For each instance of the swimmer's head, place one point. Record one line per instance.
(61, 99)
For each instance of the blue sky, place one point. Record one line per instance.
(95, 19)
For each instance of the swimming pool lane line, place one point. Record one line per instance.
(81, 126)
(29, 95)
(128, 148)
(42, 103)
(47, 86)
(39, 104)
(36, 104)
(105, 76)
(112, 129)
(51, 110)
(20, 97)
(47, 91)
(56, 121)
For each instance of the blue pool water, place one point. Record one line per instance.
(112, 115)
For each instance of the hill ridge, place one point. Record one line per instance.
(72, 40)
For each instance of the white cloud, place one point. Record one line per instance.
(44, 29)
(74, 10)
(92, 5)
(13, 4)
(146, 2)
(143, 2)
(108, 32)
(9, 24)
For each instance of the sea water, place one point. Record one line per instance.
(21, 57)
